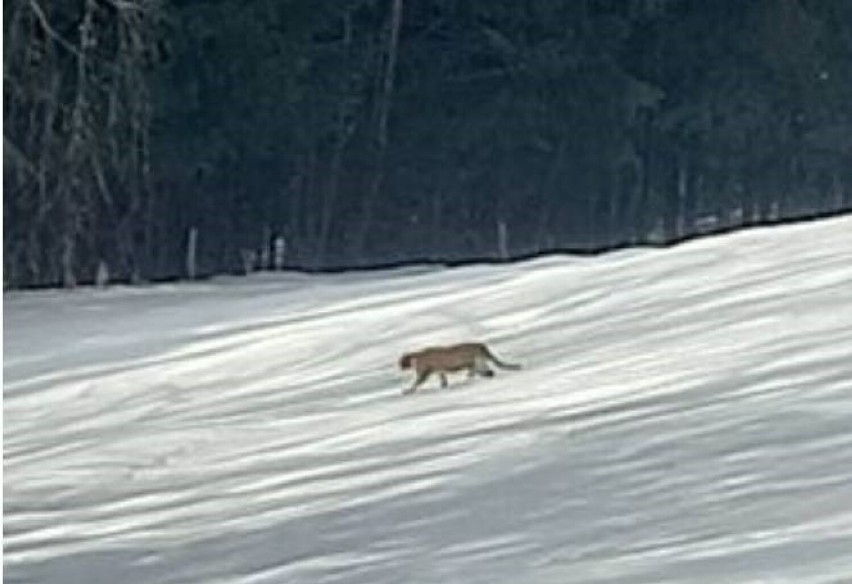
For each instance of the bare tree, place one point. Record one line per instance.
(382, 120)
(344, 130)
(76, 120)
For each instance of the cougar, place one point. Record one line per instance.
(473, 357)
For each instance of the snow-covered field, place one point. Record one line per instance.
(683, 415)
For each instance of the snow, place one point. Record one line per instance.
(683, 415)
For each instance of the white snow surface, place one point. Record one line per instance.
(683, 415)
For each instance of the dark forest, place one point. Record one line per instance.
(149, 139)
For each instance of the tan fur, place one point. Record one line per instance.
(470, 357)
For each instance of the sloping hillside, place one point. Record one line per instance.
(683, 415)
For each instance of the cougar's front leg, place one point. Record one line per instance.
(420, 380)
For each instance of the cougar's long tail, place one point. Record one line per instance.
(501, 364)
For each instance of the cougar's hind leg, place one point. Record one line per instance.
(481, 367)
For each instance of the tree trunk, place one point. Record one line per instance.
(682, 194)
(436, 223)
(344, 131)
(378, 177)
(502, 240)
(191, 253)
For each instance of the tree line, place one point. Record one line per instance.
(149, 139)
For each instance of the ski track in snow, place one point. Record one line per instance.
(683, 415)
